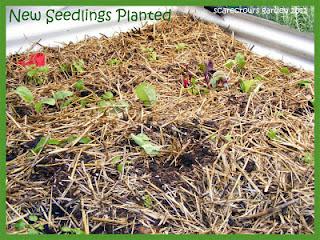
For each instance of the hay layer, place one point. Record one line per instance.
(218, 172)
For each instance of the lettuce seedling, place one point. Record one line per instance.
(20, 225)
(107, 95)
(40, 145)
(144, 142)
(304, 83)
(38, 75)
(147, 201)
(285, 70)
(239, 62)
(113, 61)
(246, 86)
(151, 54)
(272, 134)
(180, 46)
(78, 66)
(146, 93)
(26, 95)
(63, 94)
(79, 85)
(219, 78)
(308, 158)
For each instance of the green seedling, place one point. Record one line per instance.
(68, 230)
(37, 75)
(79, 85)
(218, 77)
(304, 83)
(285, 70)
(120, 168)
(26, 95)
(40, 145)
(33, 231)
(147, 201)
(228, 137)
(239, 62)
(107, 95)
(272, 134)
(115, 160)
(152, 55)
(113, 61)
(144, 142)
(52, 141)
(85, 140)
(246, 86)
(33, 218)
(20, 225)
(61, 95)
(146, 94)
(180, 46)
(308, 158)
(78, 66)
(195, 89)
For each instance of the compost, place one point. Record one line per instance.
(210, 153)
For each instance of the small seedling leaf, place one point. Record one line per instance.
(85, 140)
(33, 218)
(230, 63)
(180, 46)
(272, 134)
(308, 158)
(240, 61)
(146, 93)
(79, 85)
(147, 201)
(143, 141)
(107, 95)
(113, 61)
(60, 95)
(285, 70)
(78, 66)
(32, 231)
(20, 225)
(116, 159)
(25, 94)
(40, 145)
(228, 137)
(246, 86)
(304, 83)
(54, 142)
(120, 167)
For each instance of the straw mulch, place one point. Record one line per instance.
(239, 181)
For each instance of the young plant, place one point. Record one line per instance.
(79, 85)
(238, 62)
(304, 83)
(78, 66)
(146, 94)
(308, 158)
(272, 134)
(195, 89)
(68, 230)
(113, 62)
(26, 95)
(144, 142)
(151, 54)
(285, 70)
(246, 86)
(107, 96)
(37, 75)
(147, 201)
(219, 78)
(180, 46)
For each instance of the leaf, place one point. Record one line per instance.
(38, 107)
(228, 137)
(25, 94)
(120, 167)
(230, 63)
(85, 140)
(113, 61)
(20, 225)
(147, 201)
(143, 141)
(107, 95)
(103, 103)
(152, 56)
(285, 70)
(60, 95)
(40, 145)
(114, 160)
(121, 104)
(247, 85)
(146, 93)
(308, 158)
(304, 83)
(216, 77)
(54, 142)
(71, 138)
(33, 218)
(180, 46)
(272, 134)
(79, 85)
(78, 66)
(240, 61)
(48, 101)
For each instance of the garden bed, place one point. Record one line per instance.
(139, 134)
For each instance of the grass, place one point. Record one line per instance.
(301, 21)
